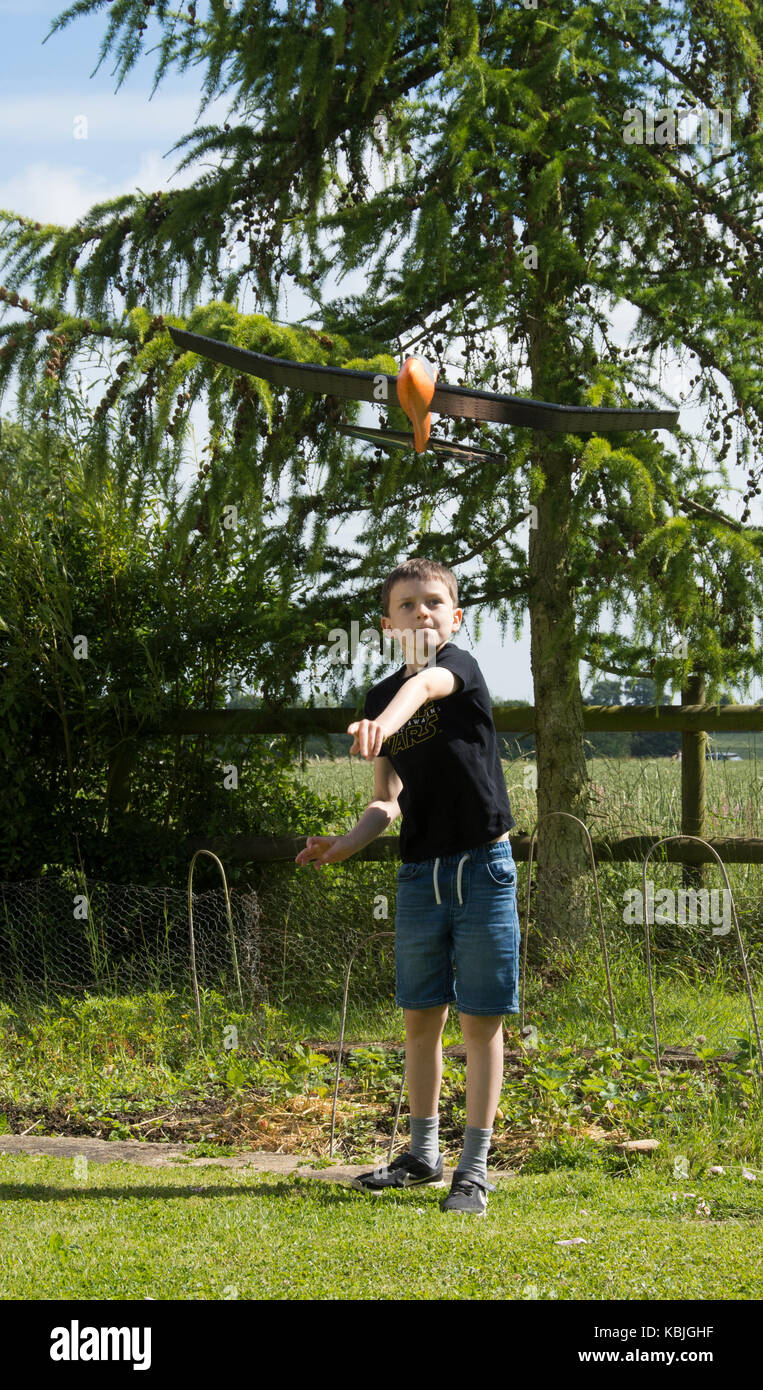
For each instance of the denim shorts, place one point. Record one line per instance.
(457, 932)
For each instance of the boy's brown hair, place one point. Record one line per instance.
(419, 569)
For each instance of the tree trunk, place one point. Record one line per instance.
(563, 861)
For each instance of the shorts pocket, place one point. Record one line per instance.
(502, 870)
(407, 871)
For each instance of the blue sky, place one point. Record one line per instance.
(49, 172)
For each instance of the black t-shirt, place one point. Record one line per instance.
(454, 794)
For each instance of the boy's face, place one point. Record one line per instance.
(416, 604)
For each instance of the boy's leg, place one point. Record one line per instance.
(483, 1035)
(423, 1058)
(423, 1065)
(486, 961)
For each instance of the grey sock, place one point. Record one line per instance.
(425, 1142)
(473, 1160)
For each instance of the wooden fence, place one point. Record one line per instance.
(693, 720)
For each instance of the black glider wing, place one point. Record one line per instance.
(459, 402)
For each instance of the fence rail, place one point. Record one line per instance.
(272, 848)
(692, 720)
(515, 719)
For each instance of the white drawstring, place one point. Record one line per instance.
(458, 880)
(461, 862)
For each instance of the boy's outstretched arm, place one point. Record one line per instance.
(379, 813)
(433, 683)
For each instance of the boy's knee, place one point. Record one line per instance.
(425, 1022)
(480, 1028)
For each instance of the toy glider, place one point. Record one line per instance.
(419, 394)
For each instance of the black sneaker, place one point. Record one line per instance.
(403, 1171)
(467, 1194)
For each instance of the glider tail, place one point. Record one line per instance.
(415, 389)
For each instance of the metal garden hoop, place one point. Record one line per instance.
(569, 816)
(750, 995)
(190, 924)
(374, 936)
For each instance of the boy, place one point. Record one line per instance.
(429, 729)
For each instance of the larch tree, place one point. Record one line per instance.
(505, 177)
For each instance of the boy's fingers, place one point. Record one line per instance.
(364, 737)
(367, 738)
(319, 851)
(311, 851)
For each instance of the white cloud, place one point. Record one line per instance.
(62, 193)
(112, 117)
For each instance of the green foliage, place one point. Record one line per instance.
(111, 1063)
(498, 130)
(291, 1074)
(74, 565)
(563, 1152)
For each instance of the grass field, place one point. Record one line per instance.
(632, 796)
(129, 1233)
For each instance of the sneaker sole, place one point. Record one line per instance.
(392, 1187)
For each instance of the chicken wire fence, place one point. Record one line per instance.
(287, 941)
(72, 935)
(256, 946)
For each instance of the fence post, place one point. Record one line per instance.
(693, 780)
(121, 765)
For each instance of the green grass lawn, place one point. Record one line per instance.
(132, 1233)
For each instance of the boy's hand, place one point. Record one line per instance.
(322, 850)
(368, 737)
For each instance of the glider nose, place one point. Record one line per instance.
(415, 389)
